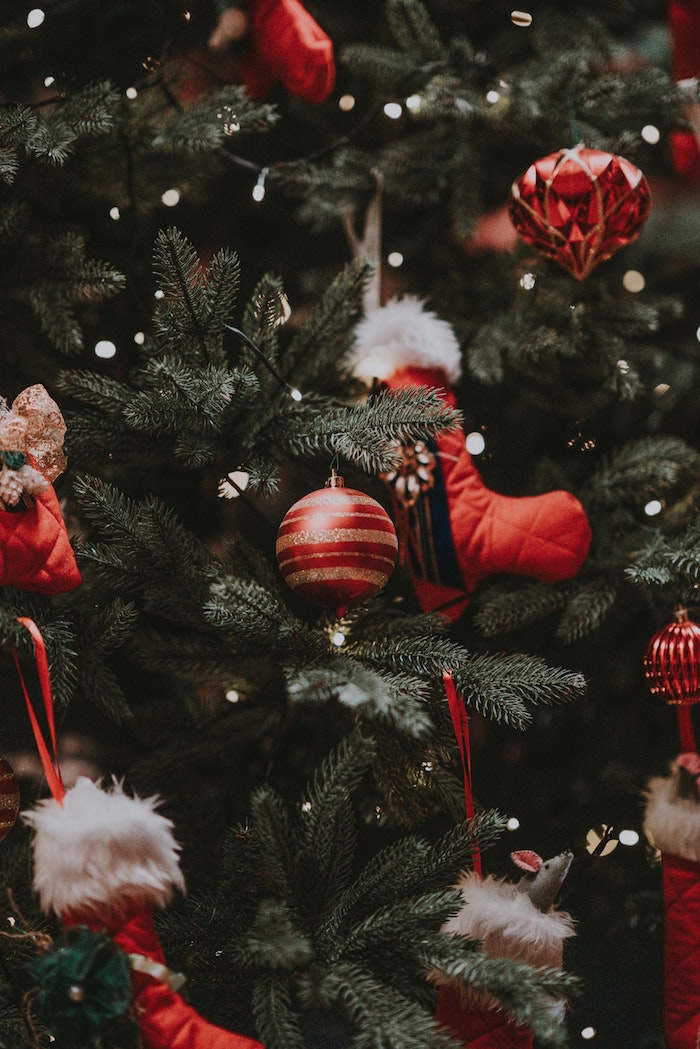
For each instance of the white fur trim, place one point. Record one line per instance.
(673, 823)
(400, 334)
(508, 923)
(102, 852)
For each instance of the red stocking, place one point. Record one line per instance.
(672, 822)
(457, 531)
(105, 860)
(510, 925)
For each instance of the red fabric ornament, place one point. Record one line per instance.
(457, 531)
(35, 552)
(336, 547)
(579, 206)
(672, 824)
(9, 798)
(516, 921)
(105, 860)
(672, 670)
(684, 30)
(284, 45)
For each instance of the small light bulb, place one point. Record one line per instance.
(346, 103)
(651, 134)
(35, 17)
(513, 823)
(159, 293)
(131, 93)
(697, 334)
(338, 639)
(475, 443)
(527, 281)
(49, 80)
(114, 213)
(139, 338)
(493, 96)
(105, 349)
(395, 259)
(588, 1033)
(232, 695)
(427, 766)
(661, 389)
(633, 281)
(296, 395)
(623, 367)
(653, 507)
(259, 187)
(393, 110)
(306, 806)
(414, 102)
(628, 837)
(521, 18)
(171, 197)
(187, 16)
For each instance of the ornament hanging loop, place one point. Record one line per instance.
(368, 247)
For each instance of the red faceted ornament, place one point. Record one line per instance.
(672, 669)
(337, 546)
(579, 206)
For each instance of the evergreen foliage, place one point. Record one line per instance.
(310, 766)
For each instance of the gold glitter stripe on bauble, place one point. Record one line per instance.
(337, 535)
(322, 575)
(345, 554)
(328, 515)
(8, 801)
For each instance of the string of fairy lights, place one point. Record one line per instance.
(602, 840)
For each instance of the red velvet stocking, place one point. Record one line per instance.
(461, 531)
(164, 1018)
(479, 1027)
(681, 887)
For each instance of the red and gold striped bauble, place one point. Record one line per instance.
(337, 546)
(9, 798)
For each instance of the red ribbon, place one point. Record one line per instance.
(49, 762)
(460, 723)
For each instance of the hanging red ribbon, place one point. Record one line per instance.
(49, 760)
(460, 723)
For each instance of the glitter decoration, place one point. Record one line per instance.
(336, 547)
(579, 206)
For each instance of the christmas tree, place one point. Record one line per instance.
(447, 252)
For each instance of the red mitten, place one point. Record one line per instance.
(454, 531)
(511, 924)
(672, 823)
(35, 552)
(105, 860)
(684, 28)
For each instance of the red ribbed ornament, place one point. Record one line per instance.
(337, 546)
(672, 669)
(579, 206)
(9, 798)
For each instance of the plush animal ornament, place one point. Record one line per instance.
(35, 552)
(672, 825)
(264, 43)
(513, 920)
(103, 861)
(453, 531)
